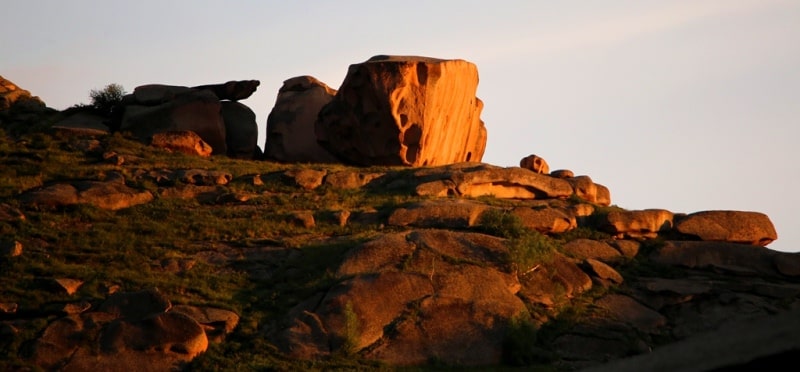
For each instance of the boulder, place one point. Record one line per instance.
(460, 311)
(12, 95)
(535, 163)
(235, 90)
(562, 173)
(736, 258)
(628, 310)
(587, 190)
(197, 111)
(603, 271)
(308, 179)
(594, 249)
(83, 122)
(217, 322)
(184, 141)
(442, 214)
(478, 179)
(645, 223)
(729, 226)
(550, 283)
(154, 94)
(134, 331)
(350, 179)
(290, 125)
(546, 219)
(405, 110)
(509, 183)
(111, 194)
(241, 130)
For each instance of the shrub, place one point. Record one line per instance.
(526, 247)
(501, 223)
(105, 99)
(531, 249)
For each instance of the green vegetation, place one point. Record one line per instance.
(249, 257)
(527, 248)
(105, 99)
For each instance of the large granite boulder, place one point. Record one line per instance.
(241, 130)
(535, 163)
(233, 90)
(211, 111)
(290, 124)
(405, 110)
(198, 111)
(729, 226)
(645, 223)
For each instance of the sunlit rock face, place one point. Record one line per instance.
(405, 110)
(11, 94)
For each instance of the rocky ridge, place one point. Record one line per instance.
(463, 264)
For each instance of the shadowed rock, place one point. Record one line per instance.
(111, 194)
(235, 90)
(290, 125)
(241, 130)
(193, 110)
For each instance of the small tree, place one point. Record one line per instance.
(105, 99)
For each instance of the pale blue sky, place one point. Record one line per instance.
(682, 105)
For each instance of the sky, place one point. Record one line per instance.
(681, 105)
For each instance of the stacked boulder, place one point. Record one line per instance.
(211, 111)
(390, 110)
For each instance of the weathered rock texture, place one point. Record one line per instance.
(458, 306)
(398, 267)
(291, 133)
(730, 226)
(185, 141)
(211, 111)
(398, 110)
(131, 330)
(535, 163)
(11, 95)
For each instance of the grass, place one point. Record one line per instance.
(270, 263)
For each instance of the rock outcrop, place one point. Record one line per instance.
(404, 110)
(465, 264)
(729, 226)
(130, 330)
(457, 306)
(185, 141)
(211, 111)
(233, 90)
(198, 111)
(535, 163)
(12, 95)
(112, 193)
(291, 135)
